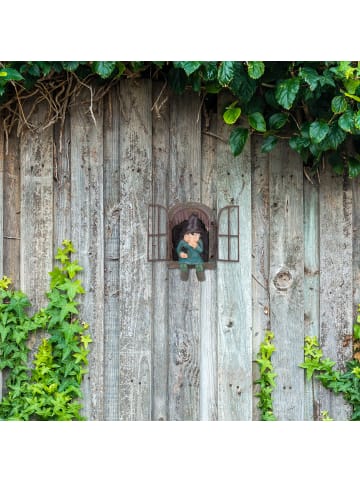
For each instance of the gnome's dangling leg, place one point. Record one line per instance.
(200, 272)
(184, 271)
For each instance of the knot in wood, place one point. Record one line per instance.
(183, 355)
(283, 280)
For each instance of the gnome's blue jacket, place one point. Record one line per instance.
(193, 253)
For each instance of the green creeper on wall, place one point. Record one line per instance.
(189, 249)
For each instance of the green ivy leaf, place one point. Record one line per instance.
(189, 67)
(209, 71)
(104, 69)
(177, 80)
(257, 121)
(310, 76)
(338, 104)
(242, 86)
(237, 140)
(226, 72)
(278, 120)
(70, 66)
(256, 69)
(357, 120)
(334, 139)
(11, 74)
(318, 130)
(299, 143)
(232, 113)
(336, 163)
(269, 144)
(354, 171)
(346, 121)
(286, 92)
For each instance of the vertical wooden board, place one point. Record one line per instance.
(36, 218)
(286, 281)
(88, 238)
(62, 183)
(311, 287)
(184, 297)
(356, 245)
(1, 206)
(112, 254)
(12, 197)
(336, 277)
(1, 223)
(234, 284)
(208, 311)
(260, 256)
(135, 270)
(160, 278)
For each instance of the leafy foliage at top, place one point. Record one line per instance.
(314, 105)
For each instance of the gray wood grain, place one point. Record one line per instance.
(62, 183)
(260, 256)
(160, 279)
(12, 209)
(1, 225)
(88, 238)
(311, 287)
(336, 278)
(184, 297)
(36, 217)
(286, 281)
(208, 294)
(112, 297)
(135, 272)
(234, 284)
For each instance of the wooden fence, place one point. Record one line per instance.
(164, 349)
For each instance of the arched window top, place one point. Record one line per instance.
(182, 212)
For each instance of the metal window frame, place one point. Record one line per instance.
(229, 236)
(155, 234)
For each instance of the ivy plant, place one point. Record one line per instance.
(346, 382)
(266, 381)
(312, 105)
(49, 387)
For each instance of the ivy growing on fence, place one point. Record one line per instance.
(312, 105)
(49, 387)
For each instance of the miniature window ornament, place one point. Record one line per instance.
(190, 248)
(194, 230)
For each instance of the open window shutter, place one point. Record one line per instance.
(228, 234)
(157, 233)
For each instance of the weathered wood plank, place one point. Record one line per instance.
(12, 208)
(160, 313)
(286, 281)
(88, 238)
(36, 218)
(184, 297)
(356, 245)
(62, 183)
(260, 255)
(336, 277)
(208, 298)
(1, 223)
(311, 287)
(234, 284)
(2, 195)
(135, 271)
(112, 297)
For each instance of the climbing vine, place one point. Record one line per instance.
(48, 388)
(347, 382)
(314, 106)
(266, 381)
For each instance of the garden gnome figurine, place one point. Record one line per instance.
(190, 248)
